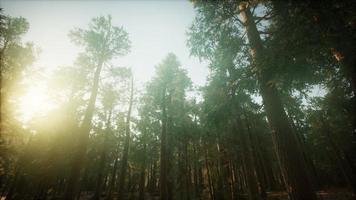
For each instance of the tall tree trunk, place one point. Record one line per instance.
(142, 175)
(126, 145)
(348, 60)
(169, 148)
(196, 175)
(291, 159)
(18, 176)
(247, 156)
(210, 185)
(153, 188)
(309, 163)
(101, 169)
(232, 180)
(187, 174)
(342, 163)
(113, 179)
(82, 139)
(163, 169)
(256, 161)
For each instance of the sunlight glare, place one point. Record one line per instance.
(33, 103)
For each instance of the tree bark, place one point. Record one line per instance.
(291, 159)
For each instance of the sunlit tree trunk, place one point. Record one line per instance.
(290, 157)
(126, 145)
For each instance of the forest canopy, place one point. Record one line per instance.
(274, 119)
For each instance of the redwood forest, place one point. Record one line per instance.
(178, 100)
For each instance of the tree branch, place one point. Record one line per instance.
(265, 17)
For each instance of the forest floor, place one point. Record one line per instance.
(332, 194)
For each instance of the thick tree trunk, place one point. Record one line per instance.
(82, 140)
(290, 157)
(126, 146)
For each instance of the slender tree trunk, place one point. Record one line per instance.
(348, 60)
(290, 157)
(232, 180)
(247, 156)
(163, 169)
(126, 145)
(82, 140)
(18, 177)
(112, 180)
(13, 184)
(154, 178)
(187, 171)
(344, 166)
(256, 161)
(309, 163)
(169, 148)
(196, 175)
(142, 175)
(101, 169)
(211, 190)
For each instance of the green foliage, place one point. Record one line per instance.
(15, 59)
(102, 40)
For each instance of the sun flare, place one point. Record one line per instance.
(33, 103)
